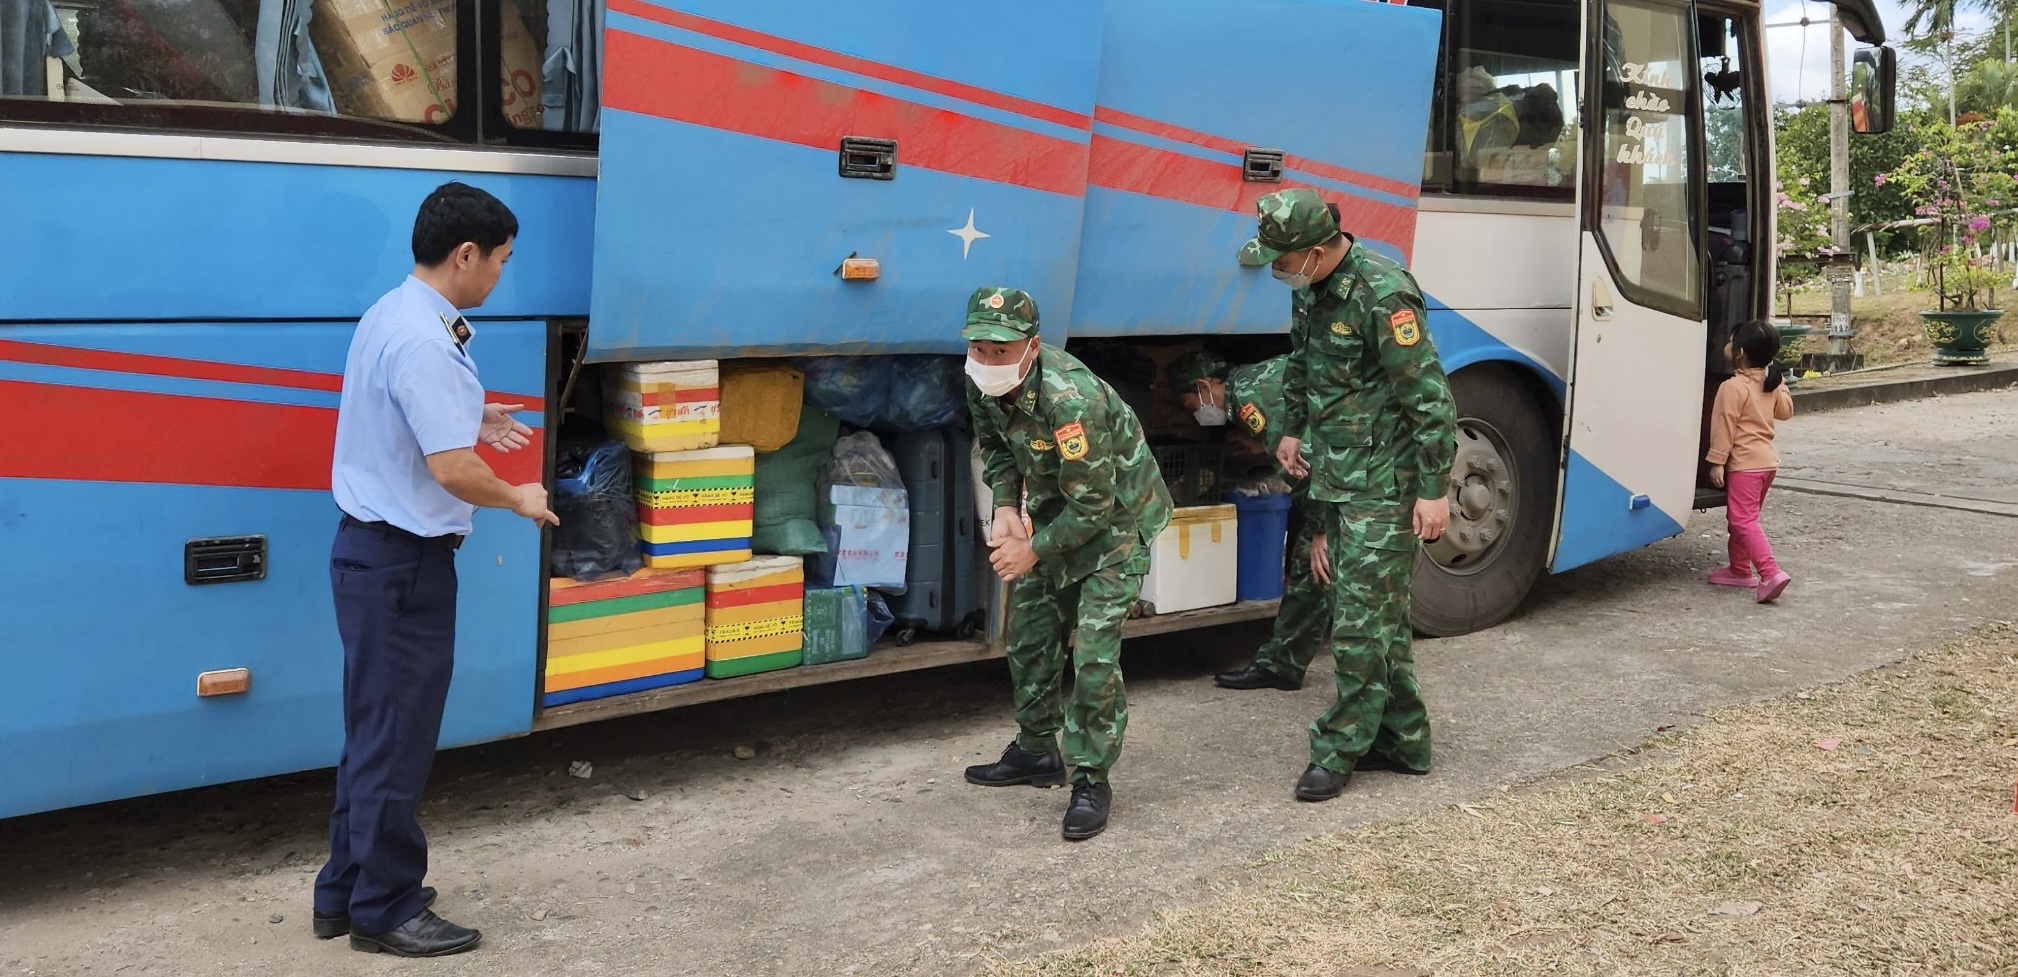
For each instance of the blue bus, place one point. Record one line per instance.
(202, 196)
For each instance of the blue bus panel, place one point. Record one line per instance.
(722, 214)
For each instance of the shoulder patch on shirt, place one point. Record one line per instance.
(1253, 418)
(1407, 331)
(1071, 441)
(458, 329)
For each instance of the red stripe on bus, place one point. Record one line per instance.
(1165, 130)
(757, 595)
(147, 364)
(44, 354)
(665, 80)
(1120, 165)
(94, 434)
(850, 63)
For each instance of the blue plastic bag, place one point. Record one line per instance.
(852, 388)
(926, 393)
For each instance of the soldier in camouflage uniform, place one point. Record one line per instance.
(1249, 398)
(1371, 423)
(1078, 500)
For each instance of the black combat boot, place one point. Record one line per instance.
(1319, 784)
(1253, 676)
(1086, 815)
(1019, 766)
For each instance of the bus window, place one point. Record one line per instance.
(363, 68)
(562, 43)
(1646, 190)
(1504, 122)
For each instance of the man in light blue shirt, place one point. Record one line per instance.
(408, 479)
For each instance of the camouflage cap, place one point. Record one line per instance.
(1290, 220)
(1190, 368)
(1000, 315)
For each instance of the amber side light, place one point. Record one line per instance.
(228, 681)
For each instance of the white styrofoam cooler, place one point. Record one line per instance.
(1195, 562)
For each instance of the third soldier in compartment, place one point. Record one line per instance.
(1249, 399)
(1053, 434)
(1372, 426)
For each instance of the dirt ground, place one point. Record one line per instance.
(1862, 828)
(846, 843)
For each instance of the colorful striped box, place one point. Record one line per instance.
(696, 508)
(644, 631)
(756, 616)
(666, 406)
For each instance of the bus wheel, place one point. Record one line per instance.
(1502, 505)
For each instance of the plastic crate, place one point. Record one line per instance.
(1191, 471)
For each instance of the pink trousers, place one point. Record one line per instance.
(1745, 492)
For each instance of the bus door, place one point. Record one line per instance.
(798, 176)
(1636, 373)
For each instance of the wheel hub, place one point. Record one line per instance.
(1484, 489)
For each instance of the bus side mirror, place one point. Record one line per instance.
(1872, 78)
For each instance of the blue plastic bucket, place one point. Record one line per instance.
(1264, 531)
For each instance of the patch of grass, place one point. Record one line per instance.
(1889, 329)
(1862, 829)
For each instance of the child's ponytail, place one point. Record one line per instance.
(1760, 343)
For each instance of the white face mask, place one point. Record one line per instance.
(996, 380)
(1209, 414)
(1301, 279)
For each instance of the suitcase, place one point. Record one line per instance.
(944, 572)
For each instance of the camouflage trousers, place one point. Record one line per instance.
(1091, 611)
(1379, 708)
(1303, 621)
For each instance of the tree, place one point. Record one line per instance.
(1801, 143)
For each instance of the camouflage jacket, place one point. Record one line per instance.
(1068, 439)
(1254, 399)
(1365, 387)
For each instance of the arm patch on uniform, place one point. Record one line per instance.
(1251, 416)
(1407, 331)
(1071, 441)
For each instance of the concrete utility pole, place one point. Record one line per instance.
(1841, 327)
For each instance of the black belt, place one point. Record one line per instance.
(390, 531)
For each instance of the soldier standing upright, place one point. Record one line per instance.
(1372, 425)
(1249, 399)
(1059, 444)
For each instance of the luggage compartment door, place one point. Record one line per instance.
(1205, 106)
(748, 149)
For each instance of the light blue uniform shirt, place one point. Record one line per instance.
(409, 391)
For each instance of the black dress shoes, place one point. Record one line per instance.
(1253, 676)
(1086, 815)
(1020, 767)
(1319, 784)
(425, 935)
(329, 926)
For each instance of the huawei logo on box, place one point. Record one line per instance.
(402, 72)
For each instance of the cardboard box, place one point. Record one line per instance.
(395, 59)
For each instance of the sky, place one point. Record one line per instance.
(1799, 57)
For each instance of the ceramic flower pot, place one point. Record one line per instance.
(1959, 337)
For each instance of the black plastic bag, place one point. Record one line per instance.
(597, 506)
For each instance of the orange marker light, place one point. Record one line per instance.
(861, 270)
(228, 681)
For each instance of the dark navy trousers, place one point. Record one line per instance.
(395, 608)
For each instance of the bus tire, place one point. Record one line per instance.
(1502, 508)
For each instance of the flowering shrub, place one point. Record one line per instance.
(1960, 178)
(1803, 219)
